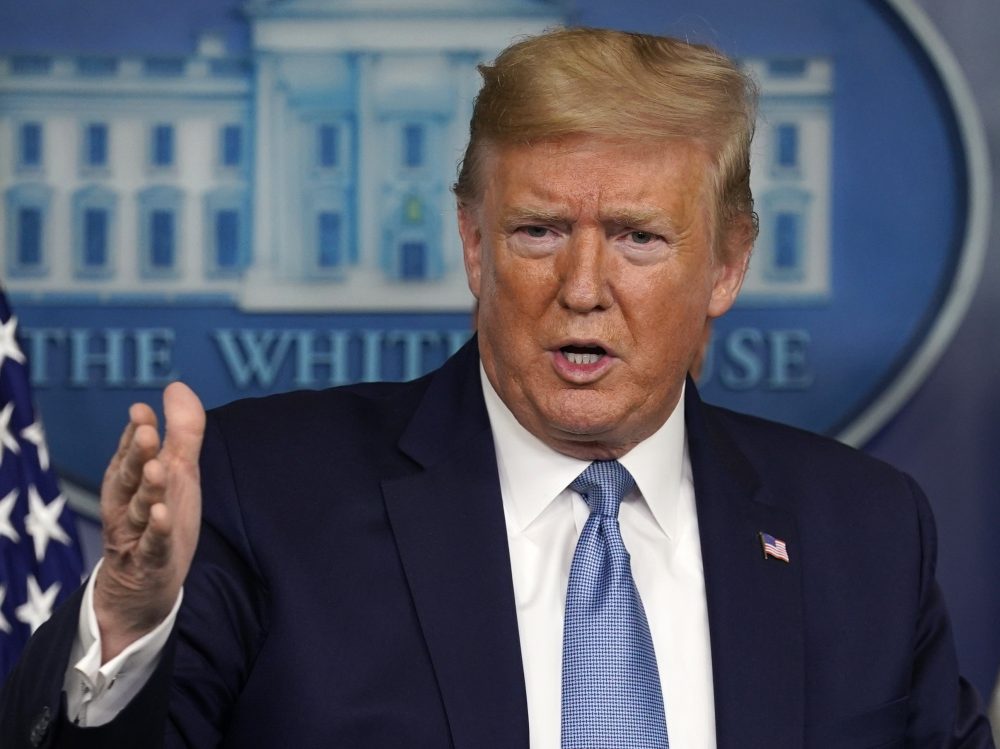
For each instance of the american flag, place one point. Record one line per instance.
(773, 547)
(40, 559)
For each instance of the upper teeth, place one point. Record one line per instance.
(582, 358)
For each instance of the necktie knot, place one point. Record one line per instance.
(603, 485)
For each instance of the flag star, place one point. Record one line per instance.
(35, 434)
(6, 507)
(38, 607)
(42, 521)
(8, 342)
(7, 440)
(4, 624)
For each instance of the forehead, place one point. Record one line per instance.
(588, 172)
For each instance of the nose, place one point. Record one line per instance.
(583, 267)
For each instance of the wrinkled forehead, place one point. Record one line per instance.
(688, 158)
(683, 172)
(600, 173)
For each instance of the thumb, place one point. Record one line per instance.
(185, 422)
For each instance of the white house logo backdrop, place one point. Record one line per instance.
(266, 206)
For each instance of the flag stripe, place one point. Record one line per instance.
(773, 547)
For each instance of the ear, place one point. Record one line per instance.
(472, 246)
(731, 266)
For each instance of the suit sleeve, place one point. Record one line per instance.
(945, 710)
(31, 697)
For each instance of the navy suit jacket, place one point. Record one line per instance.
(352, 588)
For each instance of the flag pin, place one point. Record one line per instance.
(773, 547)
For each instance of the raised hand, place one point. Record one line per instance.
(151, 511)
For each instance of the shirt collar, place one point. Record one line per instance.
(532, 474)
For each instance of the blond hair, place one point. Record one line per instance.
(618, 85)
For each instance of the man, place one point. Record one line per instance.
(441, 563)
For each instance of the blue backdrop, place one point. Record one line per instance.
(822, 351)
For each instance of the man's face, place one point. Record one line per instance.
(593, 264)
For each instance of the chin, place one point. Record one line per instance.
(589, 441)
(584, 423)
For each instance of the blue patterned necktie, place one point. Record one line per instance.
(611, 697)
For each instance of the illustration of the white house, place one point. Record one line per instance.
(313, 173)
(790, 177)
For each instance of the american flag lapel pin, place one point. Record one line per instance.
(773, 547)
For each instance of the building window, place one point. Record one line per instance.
(96, 145)
(413, 146)
(227, 239)
(164, 67)
(411, 241)
(327, 142)
(787, 67)
(784, 231)
(413, 260)
(93, 222)
(97, 67)
(27, 215)
(231, 146)
(29, 238)
(787, 247)
(162, 154)
(329, 240)
(160, 230)
(786, 146)
(31, 145)
(227, 232)
(30, 65)
(95, 238)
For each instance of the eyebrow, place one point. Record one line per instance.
(516, 214)
(636, 217)
(629, 217)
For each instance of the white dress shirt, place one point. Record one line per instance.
(659, 525)
(544, 519)
(96, 693)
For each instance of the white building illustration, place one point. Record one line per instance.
(314, 172)
(791, 177)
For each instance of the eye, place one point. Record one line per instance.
(535, 232)
(641, 237)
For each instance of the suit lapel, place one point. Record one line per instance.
(447, 518)
(448, 522)
(754, 603)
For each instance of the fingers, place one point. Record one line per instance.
(149, 493)
(143, 447)
(138, 444)
(138, 413)
(185, 417)
(154, 499)
(148, 516)
(154, 544)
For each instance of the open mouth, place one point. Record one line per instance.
(583, 354)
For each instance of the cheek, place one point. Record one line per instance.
(668, 328)
(495, 271)
(521, 285)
